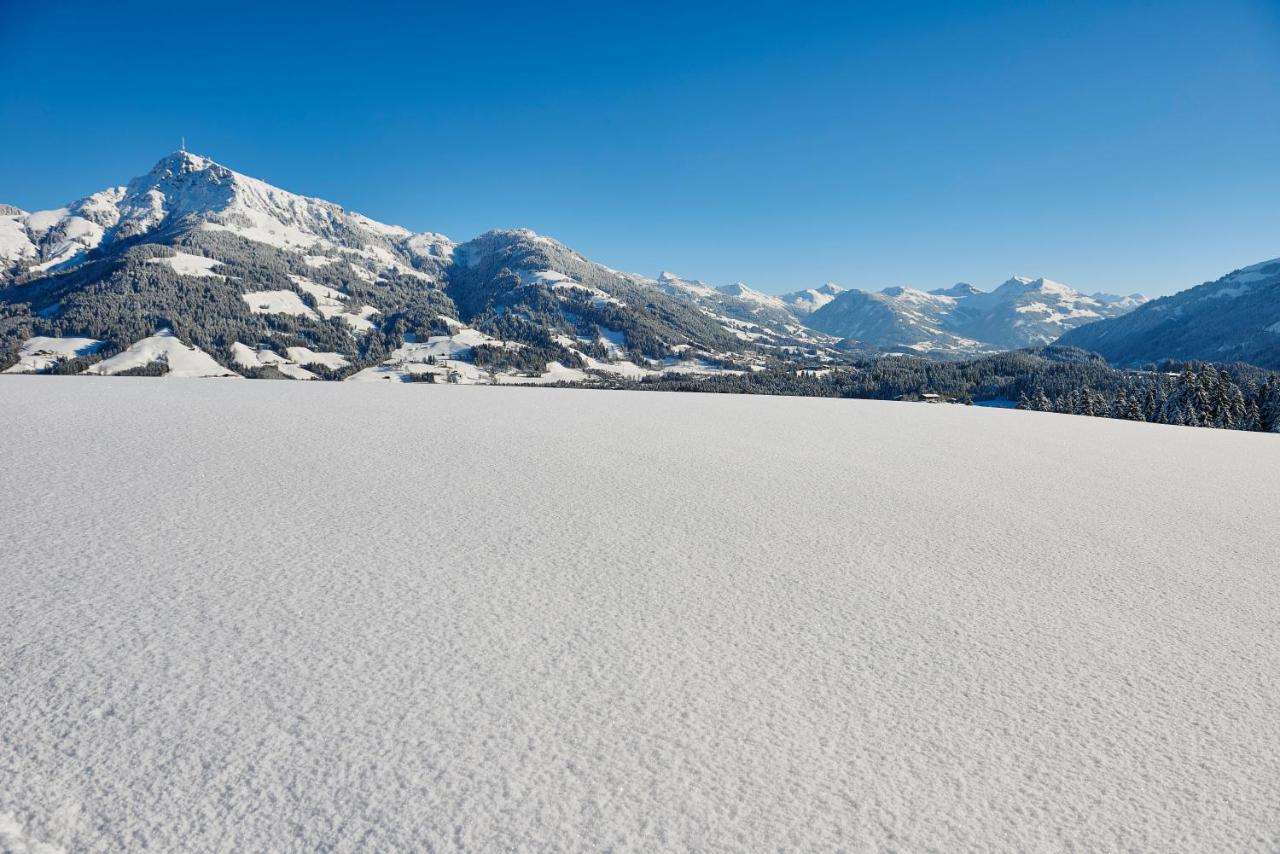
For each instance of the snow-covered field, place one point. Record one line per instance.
(311, 616)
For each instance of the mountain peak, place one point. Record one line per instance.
(809, 300)
(182, 162)
(907, 292)
(743, 291)
(527, 235)
(1018, 283)
(959, 289)
(1026, 284)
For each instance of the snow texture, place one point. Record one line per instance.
(316, 616)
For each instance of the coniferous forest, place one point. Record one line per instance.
(1048, 379)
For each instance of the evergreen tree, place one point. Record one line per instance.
(1269, 406)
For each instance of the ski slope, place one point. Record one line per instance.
(291, 617)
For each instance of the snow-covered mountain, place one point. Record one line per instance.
(960, 319)
(193, 254)
(1236, 318)
(185, 192)
(264, 282)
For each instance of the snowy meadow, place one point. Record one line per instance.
(296, 616)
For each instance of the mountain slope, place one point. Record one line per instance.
(1236, 318)
(526, 284)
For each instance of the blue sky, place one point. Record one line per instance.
(1114, 146)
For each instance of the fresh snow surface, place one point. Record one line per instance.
(329, 299)
(440, 618)
(307, 356)
(362, 320)
(189, 265)
(41, 353)
(277, 302)
(184, 360)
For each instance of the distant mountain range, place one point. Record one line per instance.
(194, 269)
(961, 319)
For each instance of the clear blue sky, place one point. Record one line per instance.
(1120, 146)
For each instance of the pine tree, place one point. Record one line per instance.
(1251, 419)
(1151, 409)
(1203, 392)
(1269, 406)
